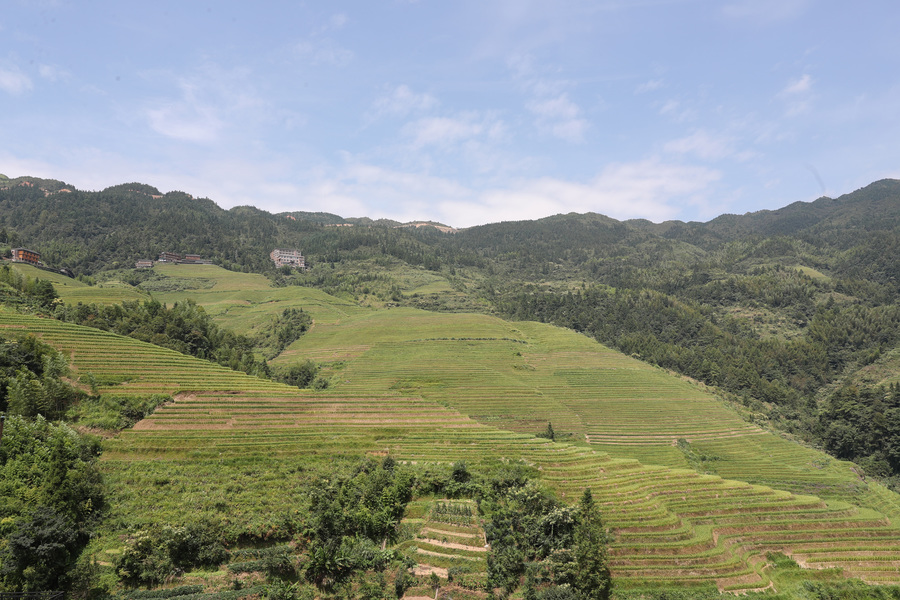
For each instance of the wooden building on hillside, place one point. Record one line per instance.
(187, 259)
(169, 257)
(195, 259)
(26, 256)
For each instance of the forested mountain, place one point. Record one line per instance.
(778, 308)
(95, 231)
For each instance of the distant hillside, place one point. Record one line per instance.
(322, 218)
(773, 306)
(874, 207)
(89, 232)
(94, 231)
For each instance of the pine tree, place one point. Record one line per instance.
(592, 579)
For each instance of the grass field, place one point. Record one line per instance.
(429, 388)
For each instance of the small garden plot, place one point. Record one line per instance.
(449, 543)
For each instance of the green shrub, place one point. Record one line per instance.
(115, 412)
(39, 552)
(151, 557)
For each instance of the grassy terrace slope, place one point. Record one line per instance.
(518, 376)
(245, 302)
(73, 291)
(230, 444)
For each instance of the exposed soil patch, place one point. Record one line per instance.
(428, 570)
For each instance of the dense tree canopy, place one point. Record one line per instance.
(51, 497)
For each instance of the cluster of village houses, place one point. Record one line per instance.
(280, 256)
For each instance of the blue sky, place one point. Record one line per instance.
(465, 112)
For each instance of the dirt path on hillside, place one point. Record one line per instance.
(454, 545)
(474, 536)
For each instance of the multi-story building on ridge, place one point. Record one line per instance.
(26, 256)
(288, 258)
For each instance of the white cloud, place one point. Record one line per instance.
(13, 81)
(797, 95)
(402, 100)
(52, 72)
(556, 114)
(801, 85)
(652, 188)
(446, 131)
(338, 20)
(324, 52)
(13, 166)
(571, 131)
(649, 86)
(559, 108)
(441, 131)
(560, 117)
(367, 190)
(649, 189)
(187, 119)
(703, 145)
(676, 111)
(208, 103)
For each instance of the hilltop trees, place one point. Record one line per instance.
(16, 288)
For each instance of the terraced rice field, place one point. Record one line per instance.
(520, 376)
(244, 302)
(73, 291)
(670, 525)
(127, 366)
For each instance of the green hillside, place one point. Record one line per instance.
(519, 376)
(242, 302)
(671, 525)
(687, 374)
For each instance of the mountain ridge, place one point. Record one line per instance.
(764, 221)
